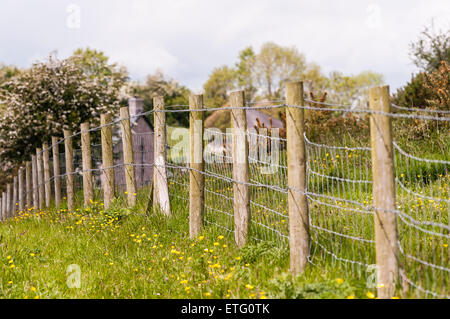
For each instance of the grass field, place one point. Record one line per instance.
(124, 253)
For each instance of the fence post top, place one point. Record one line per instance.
(237, 98)
(196, 101)
(378, 89)
(124, 112)
(289, 83)
(236, 92)
(158, 102)
(105, 115)
(85, 126)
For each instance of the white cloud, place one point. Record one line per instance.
(187, 39)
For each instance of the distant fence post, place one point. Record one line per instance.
(86, 154)
(15, 193)
(28, 184)
(3, 206)
(240, 169)
(296, 162)
(160, 186)
(21, 189)
(8, 200)
(196, 178)
(386, 236)
(35, 182)
(47, 176)
(40, 176)
(107, 160)
(56, 171)
(128, 156)
(68, 149)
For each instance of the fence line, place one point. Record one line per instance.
(295, 192)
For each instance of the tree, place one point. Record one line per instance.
(220, 82)
(174, 94)
(351, 90)
(438, 84)
(54, 95)
(430, 49)
(275, 65)
(245, 72)
(414, 93)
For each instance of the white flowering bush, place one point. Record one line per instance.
(54, 95)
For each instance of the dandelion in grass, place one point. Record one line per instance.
(370, 295)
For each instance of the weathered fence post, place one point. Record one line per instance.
(47, 176)
(3, 206)
(107, 160)
(128, 156)
(15, 193)
(86, 154)
(160, 187)
(21, 189)
(296, 162)
(196, 178)
(28, 184)
(240, 169)
(70, 188)
(35, 182)
(8, 201)
(56, 171)
(40, 176)
(386, 237)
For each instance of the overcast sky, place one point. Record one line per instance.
(188, 38)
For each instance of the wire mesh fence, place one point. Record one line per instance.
(339, 190)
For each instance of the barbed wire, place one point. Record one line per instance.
(416, 109)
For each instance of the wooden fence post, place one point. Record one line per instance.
(35, 182)
(56, 171)
(3, 217)
(240, 169)
(386, 236)
(15, 203)
(5, 204)
(86, 154)
(196, 178)
(128, 156)
(160, 186)
(40, 175)
(107, 160)
(28, 184)
(8, 201)
(296, 162)
(21, 189)
(47, 176)
(70, 187)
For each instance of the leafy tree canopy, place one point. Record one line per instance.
(430, 49)
(174, 94)
(263, 75)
